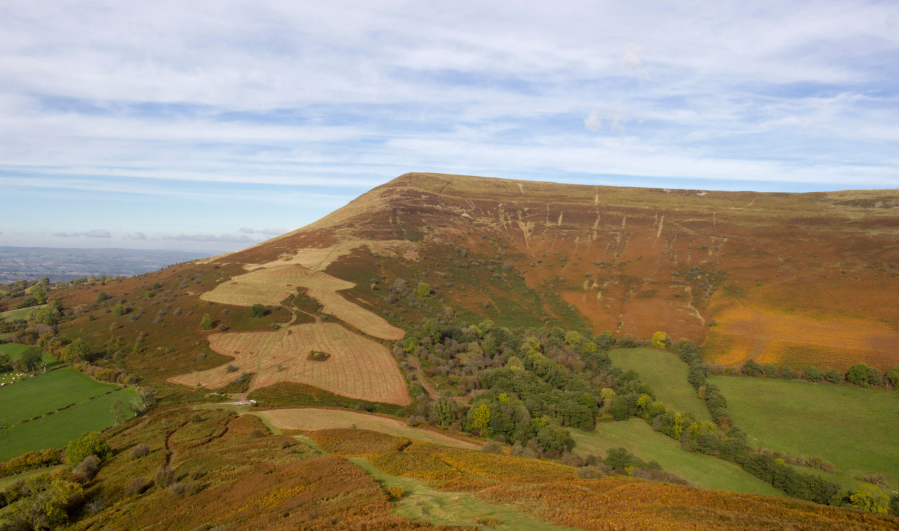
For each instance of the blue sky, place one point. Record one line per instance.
(212, 125)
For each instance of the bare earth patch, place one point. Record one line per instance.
(313, 419)
(357, 368)
(273, 285)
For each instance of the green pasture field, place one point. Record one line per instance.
(666, 374)
(35, 396)
(15, 351)
(21, 313)
(56, 430)
(855, 429)
(639, 438)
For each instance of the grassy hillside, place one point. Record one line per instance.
(855, 429)
(666, 374)
(424, 503)
(639, 438)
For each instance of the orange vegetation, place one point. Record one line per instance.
(800, 341)
(273, 285)
(358, 367)
(238, 476)
(622, 503)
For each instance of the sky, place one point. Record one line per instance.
(212, 125)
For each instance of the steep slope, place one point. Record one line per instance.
(782, 278)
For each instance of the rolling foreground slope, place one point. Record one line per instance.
(782, 278)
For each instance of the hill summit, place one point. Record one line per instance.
(776, 277)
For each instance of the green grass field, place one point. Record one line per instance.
(666, 374)
(46, 392)
(639, 438)
(15, 351)
(21, 313)
(855, 429)
(55, 431)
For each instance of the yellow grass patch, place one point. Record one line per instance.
(358, 367)
(743, 333)
(314, 419)
(273, 285)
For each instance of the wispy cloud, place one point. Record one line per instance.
(311, 104)
(97, 233)
(136, 236)
(247, 230)
(224, 238)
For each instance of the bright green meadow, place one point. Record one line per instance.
(666, 374)
(639, 438)
(855, 429)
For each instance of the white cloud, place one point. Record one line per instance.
(97, 233)
(247, 230)
(594, 121)
(631, 57)
(136, 236)
(225, 238)
(311, 103)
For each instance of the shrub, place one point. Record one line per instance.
(752, 368)
(875, 376)
(396, 493)
(102, 297)
(423, 291)
(858, 374)
(257, 433)
(590, 472)
(86, 469)
(177, 488)
(892, 377)
(619, 409)
(492, 448)
(30, 359)
(870, 498)
(257, 311)
(787, 373)
(88, 444)
(812, 374)
(206, 322)
(136, 486)
(659, 340)
(163, 477)
(139, 450)
(230, 368)
(834, 376)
